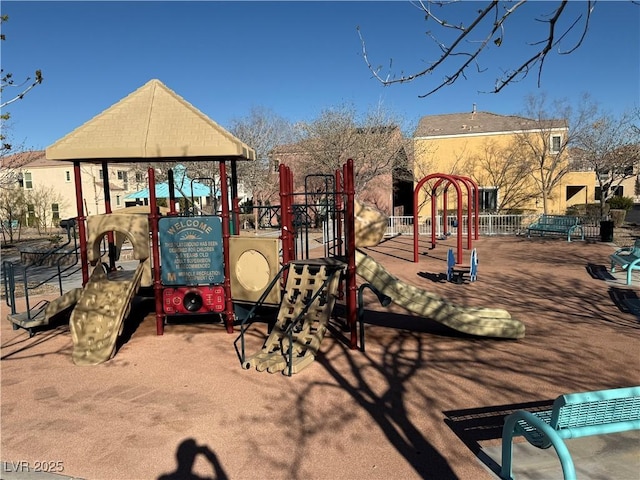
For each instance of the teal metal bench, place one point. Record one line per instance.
(628, 258)
(572, 416)
(564, 224)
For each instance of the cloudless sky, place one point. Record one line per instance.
(294, 58)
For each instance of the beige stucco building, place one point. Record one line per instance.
(52, 182)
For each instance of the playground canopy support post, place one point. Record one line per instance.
(349, 190)
(82, 225)
(157, 282)
(224, 193)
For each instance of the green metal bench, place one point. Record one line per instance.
(628, 258)
(564, 224)
(572, 416)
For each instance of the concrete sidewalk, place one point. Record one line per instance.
(615, 456)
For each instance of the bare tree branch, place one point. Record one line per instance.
(7, 82)
(492, 30)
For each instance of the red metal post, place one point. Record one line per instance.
(155, 251)
(469, 213)
(416, 230)
(445, 207)
(434, 214)
(349, 224)
(82, 231)
(286, 212)
(441, 176)
(224, 193)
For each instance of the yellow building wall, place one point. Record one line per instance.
(451, 155)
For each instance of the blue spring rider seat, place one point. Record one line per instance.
(456, 273)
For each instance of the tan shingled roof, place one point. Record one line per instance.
(478, 123)
(152, 123)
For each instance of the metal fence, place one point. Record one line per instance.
(489, 224)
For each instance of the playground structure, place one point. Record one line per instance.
(456, 272)
(473, 209)
(198, 265)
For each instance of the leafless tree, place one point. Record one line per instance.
(374, 141)
(459, 40)
(8, 82)
(551, 129)
(40, 201)
(610, 146)
(264, 131)
(13, 208)
(505, 168)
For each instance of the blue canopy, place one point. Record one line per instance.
(162, 191)
(183, 187)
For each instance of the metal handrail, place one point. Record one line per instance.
(251, 313)
(9, 269)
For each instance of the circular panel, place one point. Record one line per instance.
(252, 270)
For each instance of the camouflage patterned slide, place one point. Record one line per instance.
(98, 318)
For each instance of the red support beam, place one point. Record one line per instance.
(349, 223)
(155, 251)
(224, 193)
(82, 229)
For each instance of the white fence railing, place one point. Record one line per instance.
(488, 225)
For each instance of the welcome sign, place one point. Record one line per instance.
(191, 250)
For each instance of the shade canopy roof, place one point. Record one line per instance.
(162, 191)
(183, 187)
(151, 123)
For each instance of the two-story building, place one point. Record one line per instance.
(497, 151)
(49, 186)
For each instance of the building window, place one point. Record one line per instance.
(67, 176)
(122, 175)
(139, 177)
(28, 181)
(31, 215)
(100, 174)
(617, 192)
(55, 211)
(118, 200)
(556, 143)
(488, 199)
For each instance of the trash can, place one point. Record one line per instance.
(606, 231)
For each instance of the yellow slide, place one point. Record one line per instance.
(486, 322)
(98, 318)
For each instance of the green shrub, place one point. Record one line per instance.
(586, 210)
(621, 203)
(575, 210)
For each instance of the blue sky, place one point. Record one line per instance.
(294, 58)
